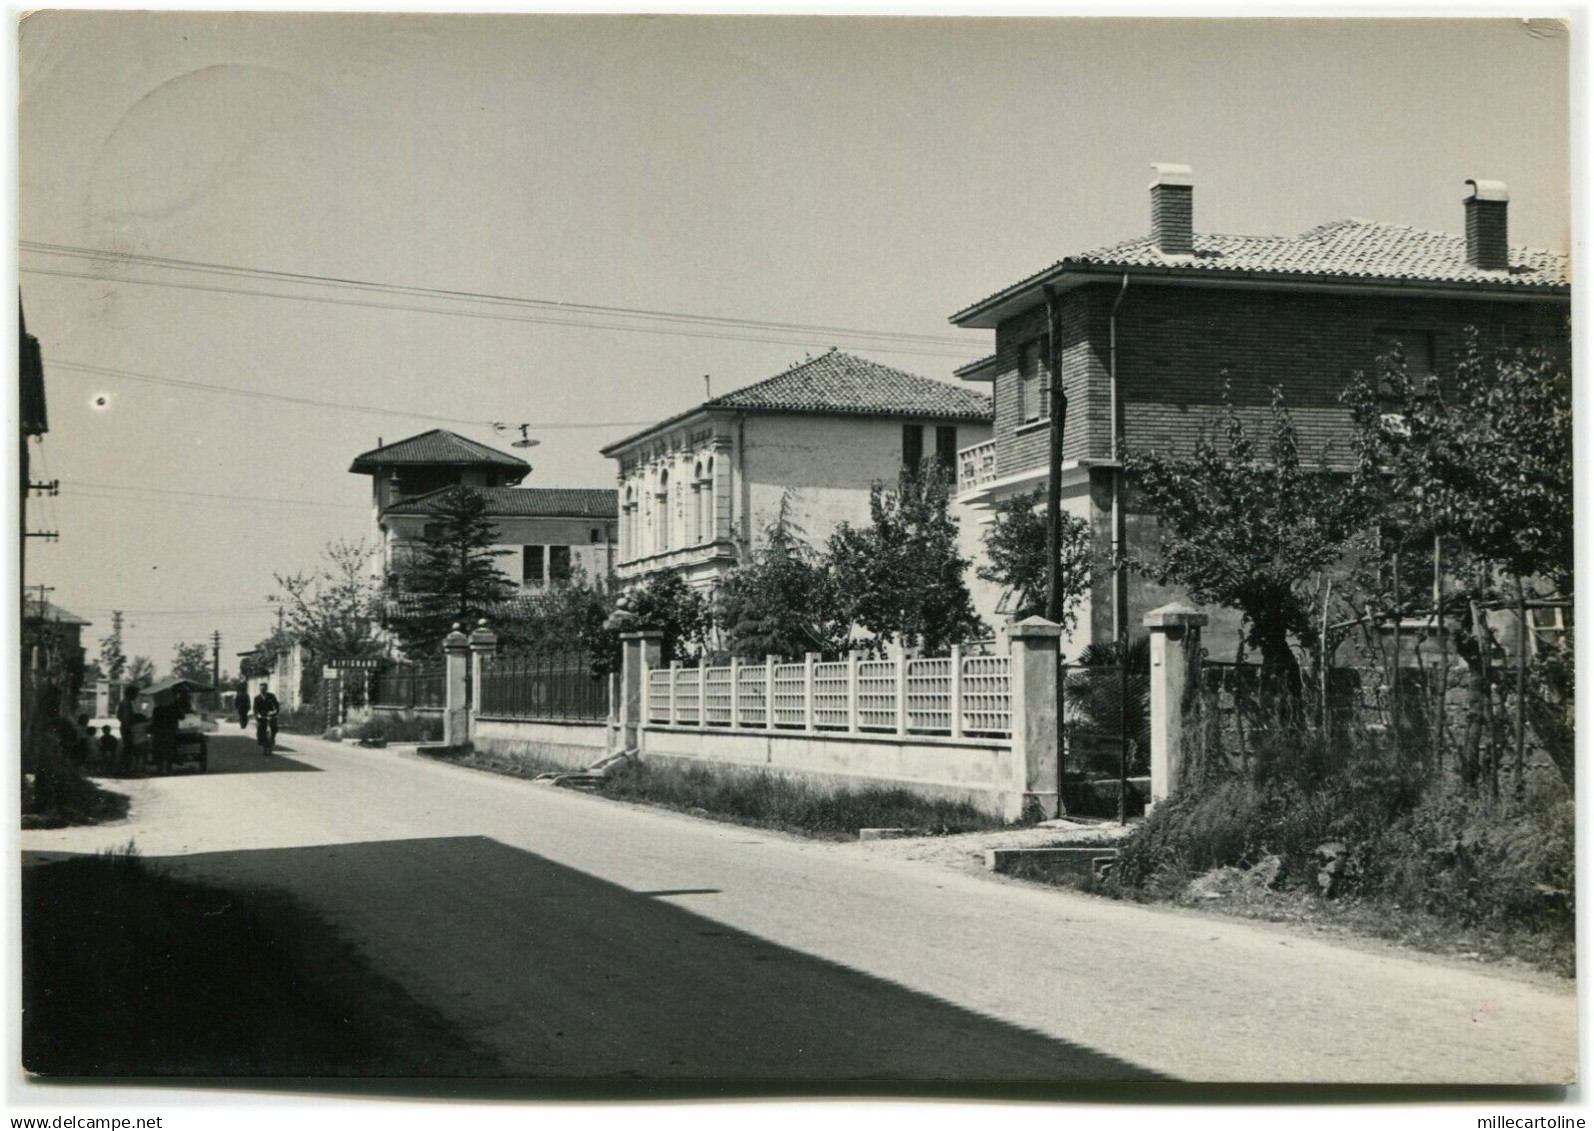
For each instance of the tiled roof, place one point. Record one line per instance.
(526, 502)
(1352, 250)
(842, 384)
(52, 612)
(438, 446)
(837, 382)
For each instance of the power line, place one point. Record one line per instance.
(211, 495)
(234, 270)
(232, 390)
(482, 314)
(109, 497)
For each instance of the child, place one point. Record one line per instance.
(108, 746)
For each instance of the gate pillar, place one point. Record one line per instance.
(643, 651)
(1175, 676)
(456, 688)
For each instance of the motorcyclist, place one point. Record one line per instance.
(266, 708)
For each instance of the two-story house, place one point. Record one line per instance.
(1150, 328)
(699, 489)
(550, 533)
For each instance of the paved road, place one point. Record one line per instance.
(579, 937)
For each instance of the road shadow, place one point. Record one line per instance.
(240, 754)
(571, 978)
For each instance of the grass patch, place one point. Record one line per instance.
(509, 765)
(398, 728)
(309, 719)
(128, 971)
(750, 797)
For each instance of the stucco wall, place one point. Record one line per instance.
(516, 533)
(829, 463)
(985, 775)
(576, 745)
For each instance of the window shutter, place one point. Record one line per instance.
(531, 567)
(912, 446)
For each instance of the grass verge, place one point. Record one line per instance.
(751, 797)
(127, 971)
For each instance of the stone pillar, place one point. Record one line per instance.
(1175, 669)
(483, 644)
(456, 705)
(1034, 645)
(643, 650)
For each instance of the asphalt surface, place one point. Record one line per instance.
(577, 937)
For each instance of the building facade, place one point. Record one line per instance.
(1151, 331)
(547, 534)
(697, 491)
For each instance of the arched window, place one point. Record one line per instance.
(697, 503)
(628, 539)
(710, 522)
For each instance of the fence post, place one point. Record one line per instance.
(852, 692)
(809, 659)
(483, 644)
(642, 651)
(769, 692)
(902, 693)
(456, 708)
(1034, 644)
(702, 692)
(736, 692)
(675, 675)
(955, 689)
(1175, 676)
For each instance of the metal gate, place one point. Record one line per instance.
(1106, 730)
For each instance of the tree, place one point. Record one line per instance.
(191, 661)
(113, 661)
(453, 578)
(1015, 543)
(565, 616)
(663, 603)
(1248, 527)
(901, 577)
(141, 671)
(335, 609)
(782, 601)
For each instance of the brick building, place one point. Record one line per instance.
(698, 489)
(1149, 329)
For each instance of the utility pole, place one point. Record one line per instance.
(215, 664)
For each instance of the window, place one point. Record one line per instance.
(1416, 346)
(531, 567)
(1031, 406)
(432, 531)
(912, 447)
(596, 536)
(946, 449)
(558, 563)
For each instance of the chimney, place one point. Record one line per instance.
(1487, 244)
(1171, 218)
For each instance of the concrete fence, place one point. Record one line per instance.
(984, 729)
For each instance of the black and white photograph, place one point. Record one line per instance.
(792, 556)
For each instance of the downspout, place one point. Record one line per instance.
(1120, 603)
(1120, 587)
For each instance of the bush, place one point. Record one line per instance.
(308, 719)
(399, 728)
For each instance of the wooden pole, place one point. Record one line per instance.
(1444, 668)
(1522, 687)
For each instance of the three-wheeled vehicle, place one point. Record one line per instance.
(189, 743)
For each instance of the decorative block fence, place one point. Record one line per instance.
(955, 696)
(978, 728)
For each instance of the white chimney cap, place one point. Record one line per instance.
(1171, 174)
(1489, 190)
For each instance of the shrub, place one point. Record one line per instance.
(308, 719)
(399, 728)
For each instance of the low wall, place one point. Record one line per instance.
(386, 711)
(983, 773)
(572, 744)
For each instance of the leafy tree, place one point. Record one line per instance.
(333, 610)
(565, 616)
(141, 671)
(663, 602)
(1247, 526)
(782, 601)
(1015, 544)
(901, 577)
(453, 577)
(113, 661)
(191, 661)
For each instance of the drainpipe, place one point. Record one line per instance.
(1120, 586)
(1120, 610)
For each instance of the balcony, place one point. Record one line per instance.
(976, 465)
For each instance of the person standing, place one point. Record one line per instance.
(241, 705)
(127, 718)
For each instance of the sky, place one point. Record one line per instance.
(854, 174)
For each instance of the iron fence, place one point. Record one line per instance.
(538, 685)
(408, 687)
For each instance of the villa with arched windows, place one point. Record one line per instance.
(698, 489)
